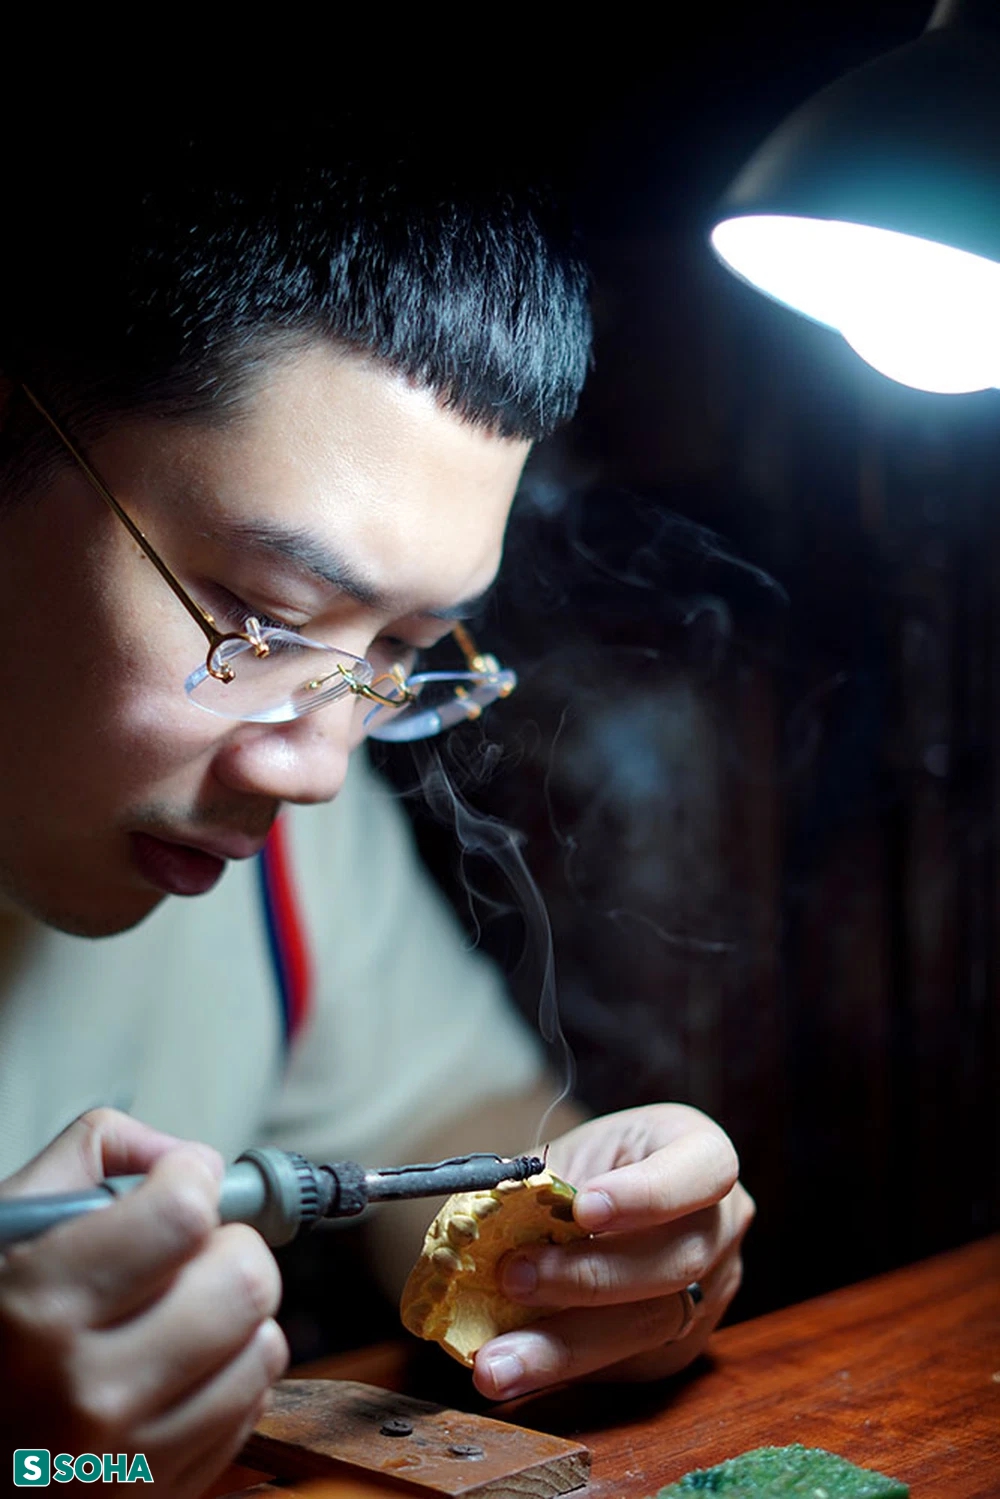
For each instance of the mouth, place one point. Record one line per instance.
(177, 868)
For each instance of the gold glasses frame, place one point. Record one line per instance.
(251, 636)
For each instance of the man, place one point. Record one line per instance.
(266, 405)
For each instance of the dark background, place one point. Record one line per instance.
(751, 597)
(756, 776)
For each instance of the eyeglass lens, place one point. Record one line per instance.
(294, 678)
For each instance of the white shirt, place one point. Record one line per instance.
(178, 1020)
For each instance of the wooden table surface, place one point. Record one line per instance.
(899, 1373)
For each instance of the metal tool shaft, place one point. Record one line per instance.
(473, 1173)
(279, 1192)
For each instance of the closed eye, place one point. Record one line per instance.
(268, 622)
(385, 652)
(236, 611)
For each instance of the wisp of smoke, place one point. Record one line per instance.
(480, 834)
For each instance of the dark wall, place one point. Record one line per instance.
(757, 770)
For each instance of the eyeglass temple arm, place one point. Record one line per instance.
(201, 617)
(474, 659)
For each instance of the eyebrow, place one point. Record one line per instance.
(312, 556)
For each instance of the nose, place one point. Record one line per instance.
(303, 761)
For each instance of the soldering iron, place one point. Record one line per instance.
(279, 1192)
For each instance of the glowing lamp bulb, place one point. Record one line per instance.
(921, 313)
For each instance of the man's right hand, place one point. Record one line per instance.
(145, 1327)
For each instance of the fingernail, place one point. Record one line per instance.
(593, 1210)
(505, 1371)
(520, 1277)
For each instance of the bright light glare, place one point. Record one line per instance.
(920, 312)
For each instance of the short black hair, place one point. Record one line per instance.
(156, 281)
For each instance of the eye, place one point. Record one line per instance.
(237, 611)
(269, 622)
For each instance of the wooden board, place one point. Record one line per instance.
(319, 1427)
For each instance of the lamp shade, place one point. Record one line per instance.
(875, 208)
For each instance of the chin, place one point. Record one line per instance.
(89, 916)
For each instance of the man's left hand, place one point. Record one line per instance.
(658, 1191)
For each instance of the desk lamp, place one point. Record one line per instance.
(875, 207)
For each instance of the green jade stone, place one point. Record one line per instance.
(795, 1472)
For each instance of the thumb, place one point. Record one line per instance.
(103, 1142)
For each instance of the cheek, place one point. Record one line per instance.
(146, 646)
(153, 730)
(100, 694)
(111, 741)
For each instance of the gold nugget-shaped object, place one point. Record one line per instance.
(452, 1296)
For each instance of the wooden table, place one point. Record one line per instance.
(900, 1373)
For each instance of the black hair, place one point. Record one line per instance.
(159, 281)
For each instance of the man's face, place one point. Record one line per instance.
(114, 788)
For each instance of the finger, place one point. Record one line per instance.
(211, 1310)
(215, 1455)
(574, 1344)
(612, 1140)
(103, 1142)
(661, 1362)
(692, 1172)
(611, 1269)
(106, 1265)
(195, 1440)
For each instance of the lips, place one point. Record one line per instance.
(181, 868)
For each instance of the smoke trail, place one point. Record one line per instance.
(480, 834)
(709, 946)
(674, 539)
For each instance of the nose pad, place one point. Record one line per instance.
(303, 761)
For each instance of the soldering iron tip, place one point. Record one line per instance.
(525, 1166)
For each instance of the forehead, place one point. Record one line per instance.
(350, 459)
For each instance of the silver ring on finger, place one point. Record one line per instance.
(691, 1297)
